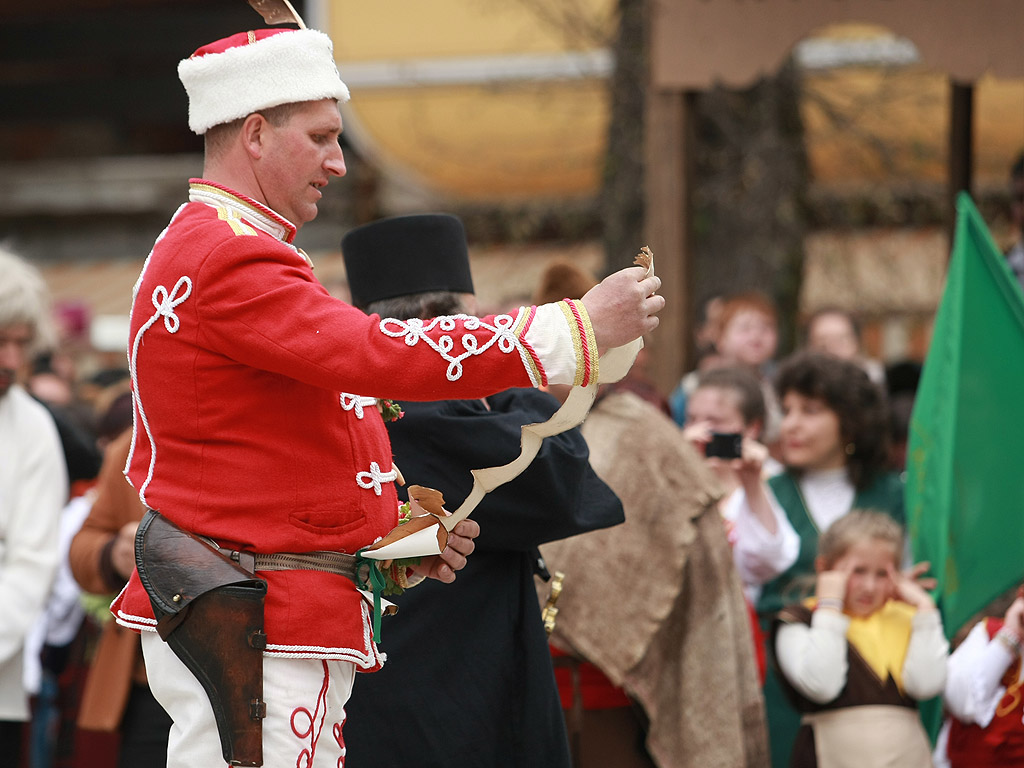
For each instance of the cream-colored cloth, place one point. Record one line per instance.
(656, 602)
(876, 736)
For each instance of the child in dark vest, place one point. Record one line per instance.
(856, 658)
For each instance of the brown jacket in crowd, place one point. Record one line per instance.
(118, 659)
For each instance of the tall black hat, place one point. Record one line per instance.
(405, 255)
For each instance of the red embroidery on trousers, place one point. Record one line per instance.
(311, 729)
(340, 740)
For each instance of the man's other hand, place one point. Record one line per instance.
(460, 546)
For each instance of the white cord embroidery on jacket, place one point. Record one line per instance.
(356, 403)
(374, 478)
(164, 303)
(414, 330)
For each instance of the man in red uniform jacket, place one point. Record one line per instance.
(255, 424)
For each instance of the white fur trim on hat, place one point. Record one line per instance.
(293, 66)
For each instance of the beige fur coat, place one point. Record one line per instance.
(656, 602)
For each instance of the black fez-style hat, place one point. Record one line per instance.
(405, 255)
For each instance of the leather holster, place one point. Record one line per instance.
(209, 611)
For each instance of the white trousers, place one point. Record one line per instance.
(305, 710)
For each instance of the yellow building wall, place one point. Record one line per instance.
(867, 125)
(515, 140)
(409, 29)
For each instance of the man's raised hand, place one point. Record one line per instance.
(623, 307)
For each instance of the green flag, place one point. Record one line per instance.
(965, 458)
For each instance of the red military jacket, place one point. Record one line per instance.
(247, 428)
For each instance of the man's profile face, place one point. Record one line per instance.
(14, 344)
(299, 158)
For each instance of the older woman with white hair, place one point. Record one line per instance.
(33, 489)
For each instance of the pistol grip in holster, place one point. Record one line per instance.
(209, 611)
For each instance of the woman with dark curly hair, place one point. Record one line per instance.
(834, 445)
(860, 442)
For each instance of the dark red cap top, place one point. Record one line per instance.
(237, 40)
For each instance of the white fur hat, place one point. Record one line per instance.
(250, 71)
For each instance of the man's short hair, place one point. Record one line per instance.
(217, 138)
(421, 305)
(25, 299)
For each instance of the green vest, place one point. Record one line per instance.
(885, 494)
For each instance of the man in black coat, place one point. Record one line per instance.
(469, 680)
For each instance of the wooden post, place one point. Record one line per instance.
(669, 135)
(961, 145)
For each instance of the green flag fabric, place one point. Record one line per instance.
(965, 457)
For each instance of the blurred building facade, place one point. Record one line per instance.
(494, 109)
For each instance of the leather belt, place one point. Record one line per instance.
(337, 563)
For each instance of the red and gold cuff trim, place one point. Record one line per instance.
(583, 341)
(530, 359)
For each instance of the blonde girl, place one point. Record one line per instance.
(857, 658)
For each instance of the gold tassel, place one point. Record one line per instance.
(549, 614)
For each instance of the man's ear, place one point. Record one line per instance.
(753, 430)
(254, 130)
(820, 566)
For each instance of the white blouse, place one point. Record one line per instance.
(976, 668)
(828, 494)
(760, 556)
